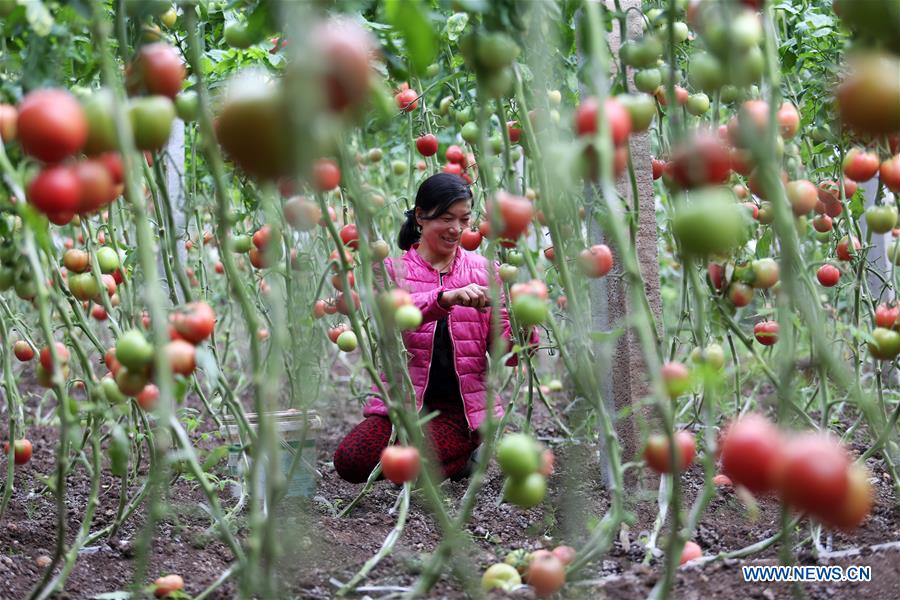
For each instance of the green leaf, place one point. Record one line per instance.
(215, 457)
(455, 25)
(38, 17)
(409, 20)
(764, 243)
(856, 204)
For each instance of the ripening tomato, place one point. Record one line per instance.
(676, 378)
(345, 47)
(885, 316)
(22, 451)
(96, 187)
(407, 100)
(868, 98)
(822, 223)
(516, 213)
(8, 117)
(751, 453)
(195, 322)
(857, 503)
(884, 343)
(843, 248)
(55, 190)
(470, 239)
(546, 574)
(802, 195)
(740, 294)
(788, 120)
(182, 357)
(167, 585)
(765, 273)
(716, 274)
(704, 160)
(157, 69)
(828, 275)
(616, 116)
(62, 354)
(881, 218)
(147, 397)
(301, 213)
(766, 332)
(860, 165)
(455, 154)
(51, 125)
(890, 173)
(813, 474)
(341, 302)
(691, 551)
(400, 464)
(23, 350)
(427, 145)
(326, 175)
(595, 261)
(656, 452)
(566, 554)
(350, 236)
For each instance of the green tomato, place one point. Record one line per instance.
(187, 105)
(500, 576)
(508, 273)
(408, 317)
(527, 492)
(705, 72)
(529, 310)
(554, 97)
(499, 84)
(151, 121)
(641, 108)
(98, 110)
(108, 259)
(698, 104)
(399, 167)
(464, 115)
(433, 69)
(83, 286)
(681, 31)
(712, 355)
(470, 132)
(646, 52)
(445, 104)
(242, 243)
(347, 341)
(881, 219)
(648, 80)
(118, 448)
(237, 35)
(375, 155)
(515, 154)
(518, 455)
(111, 390)
(747, 68)
(133, 350)
(515, 258)
(496, 50)
(885, 343)
(131, 382)
(496, 144)
(711, 223)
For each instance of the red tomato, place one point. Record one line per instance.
(616, 115)
(766, 332)
(335, 332)
(788, 120)
(860, 165)
(885, 316)
(813, 475)
(195, 322)
(22, 451)
(168, 584)
(740, 294)
(319, 309)
(596, 261)
(828, 275)
(147, 397)
(407, 100)
(341, 302)
(8, 117)
(822, 223)
(326, 175)
(55, 190)
(182, 357)
(453, 169)
(751, 453)
(99, 313)
(23, 350)
(890, 173)
(843, 248)
(61, 352)
(400, 464)
(721, 480)
(470, 239)
(261, 237)
(350, 236)
(427, 145)
(857, 503)
(716, 273)
(656, 452)
(455, 154)
(546, 574)
(691, 551)
(158, 69)
(113, 163)
(657, 166)
(51, 125)
(704, 160)
(515, 133)
(219, 267)
(515, 214)
(96, 185)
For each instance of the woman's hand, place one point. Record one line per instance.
(473, 295)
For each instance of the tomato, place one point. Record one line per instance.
(380, 250)
(51, 125)
(566, 554)
(641, 109)
(617, 117)
(788, 120)
(868, 98)
(326, 175)
(596, 261)
(62, 354)
(98, 111)
(400, 464)
(407, 100)
(99, 313)
(860, 165)
(96, 187)
(526, 492)
(195, 322)
(857, 503)
(350, 236)
(681, 96)
(802, 195)
(345, 48)
(347, 341)
(698, 104)
(76, 261)
(113, 163)
(133, 350)
(470, 239)
(55, 190)
(182, 357)
(656, 452)
(885, 343)
(131, 381)
(890, 173)
(167, 585)
(766, 332)
(500, 576)
(885, 316)
(302, 214)
(336, 280)
(822, 223)
(716, 274)
(453, 169)
(828, 275)
(8, 117)
(690, 552)
(881, 219)
(157, 69)
(22, 451)
(676, 378)
(455, 154)
(518, 455)
(547, 458)
(427, 145)
(546, 575)
(341, 302)
(23, 350)
(843, 248)
(722, 480)
(711, 223)
(751, 453)
(765, 273)
(657, 167)
(516, 213)
(704, 160)
(529, 309)
(813, 476)
(408, 317)
(151, 121)
(515, 133)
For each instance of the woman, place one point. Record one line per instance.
(448, 352)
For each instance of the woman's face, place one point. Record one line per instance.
(441, 235)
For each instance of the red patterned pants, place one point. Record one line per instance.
(448, 433)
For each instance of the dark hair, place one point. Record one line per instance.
(435, 197)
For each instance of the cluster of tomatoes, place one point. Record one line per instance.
(543, 570)
(526, 465)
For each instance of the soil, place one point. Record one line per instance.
(322, 550)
